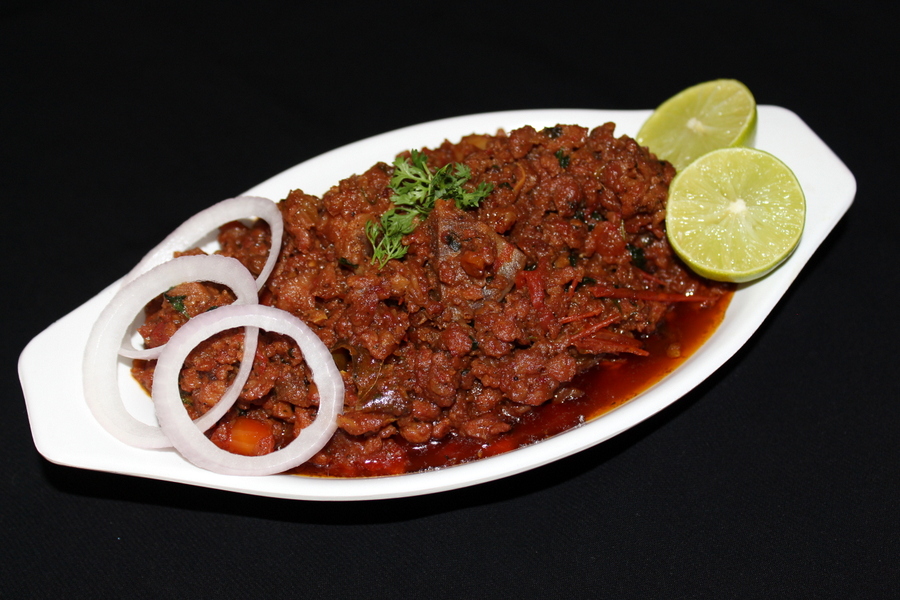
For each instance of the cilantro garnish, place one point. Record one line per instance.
(416, 189)
(177, 303)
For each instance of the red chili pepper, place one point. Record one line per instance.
(536, 283)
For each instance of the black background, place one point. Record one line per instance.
(774, 478)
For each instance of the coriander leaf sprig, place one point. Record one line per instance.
(416, 189)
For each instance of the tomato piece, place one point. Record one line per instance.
(246, 436)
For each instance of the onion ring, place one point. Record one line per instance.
(192, 231)
(193, 444)
(101, 389)
(193, 270)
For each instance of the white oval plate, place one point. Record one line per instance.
(65, 432)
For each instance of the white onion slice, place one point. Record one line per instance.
(195, 228)
(223, 272)
(101, 388)
(191, 442)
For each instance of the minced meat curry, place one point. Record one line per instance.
(493, 311)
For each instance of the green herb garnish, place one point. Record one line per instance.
(177, 303)
(416, 189)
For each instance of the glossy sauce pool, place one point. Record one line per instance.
(606, 387)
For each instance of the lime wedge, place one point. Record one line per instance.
(735, 214)
(705, 117)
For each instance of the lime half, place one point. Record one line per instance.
(734, 214)
(705, 117)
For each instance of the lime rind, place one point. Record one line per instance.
(702, 118)
(735, 214)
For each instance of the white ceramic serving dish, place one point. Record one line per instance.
(65, 432)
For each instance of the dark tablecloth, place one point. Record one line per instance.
(774, 478)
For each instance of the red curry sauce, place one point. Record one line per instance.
(606, 387)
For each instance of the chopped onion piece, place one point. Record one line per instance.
(101, 388)
(195, 228)
(191, 442)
